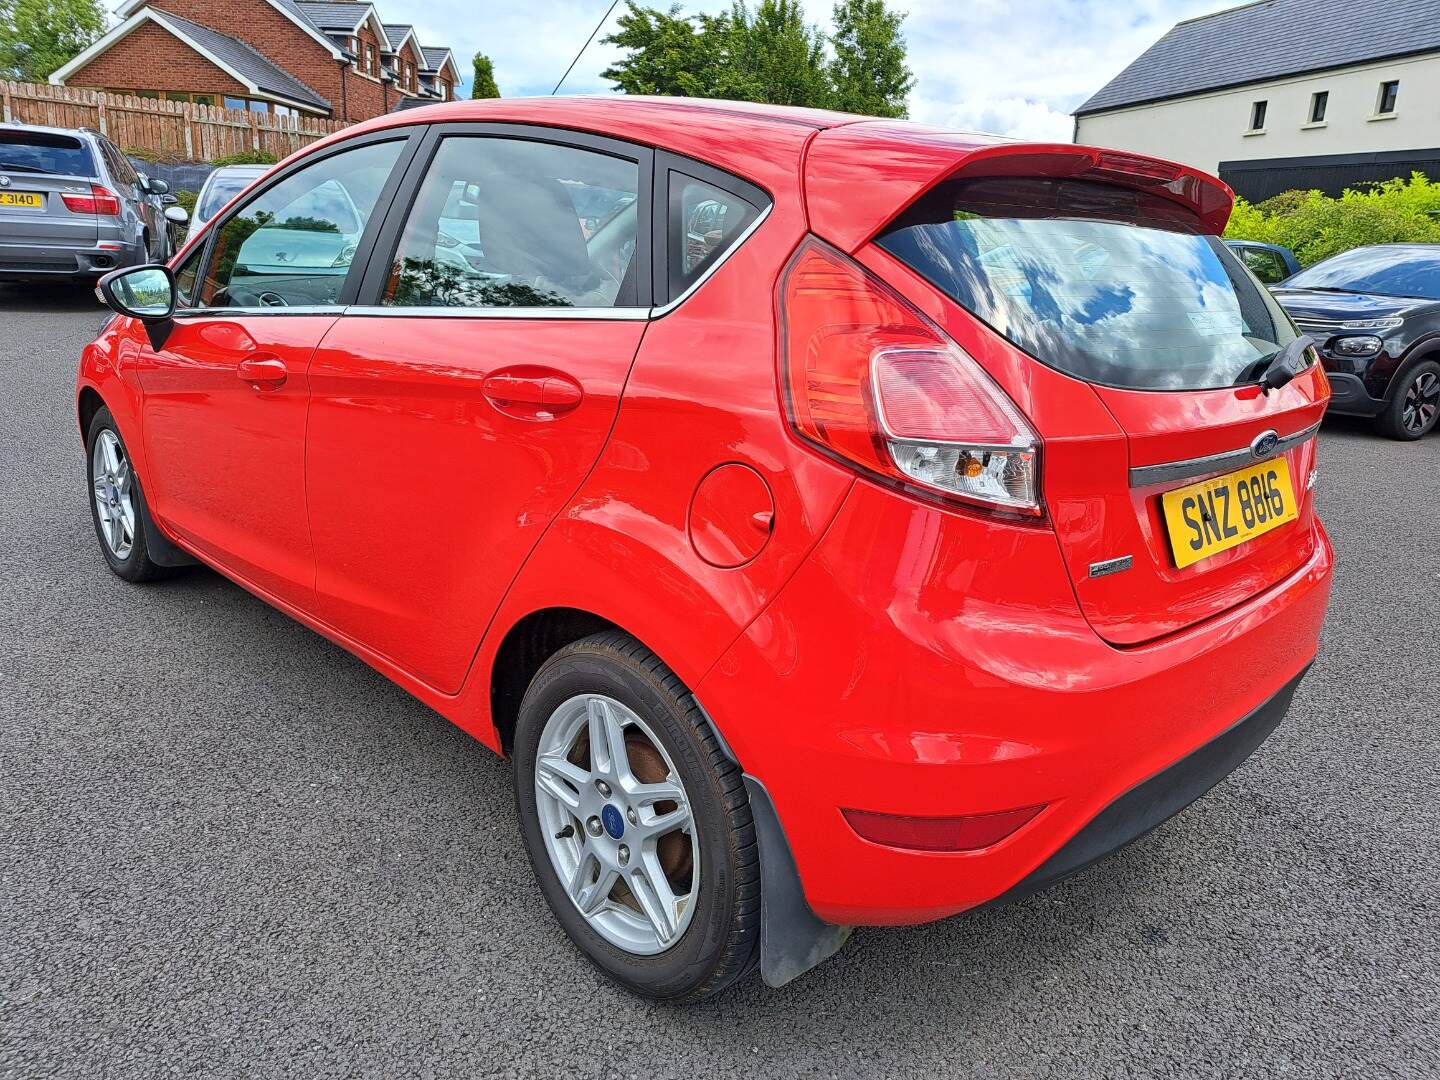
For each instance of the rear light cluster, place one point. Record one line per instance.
(101, 201)
(872, 381)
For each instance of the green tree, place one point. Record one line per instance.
(869, 72)
(484, 85)
(766, 54)
(38, 36)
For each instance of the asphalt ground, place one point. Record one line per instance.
(229, 849)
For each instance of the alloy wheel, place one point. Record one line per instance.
(112, 478)
(617, 824)
(1422, 402)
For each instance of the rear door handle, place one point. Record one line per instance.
(532, 393)
(263, 372)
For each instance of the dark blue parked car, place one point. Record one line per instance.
(1374, 313)
(1271, 263)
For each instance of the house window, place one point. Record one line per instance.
(1318, 101)
(1257, 115)
(1389, 93)
(370, 59)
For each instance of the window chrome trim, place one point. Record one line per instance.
(224, 312)
(1174, 471)
(709, 270)
(632, 314)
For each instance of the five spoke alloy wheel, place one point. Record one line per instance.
(617, 824)
(636, 818)
(112, 483)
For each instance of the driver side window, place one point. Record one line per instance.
(292, 245)
(502, 222)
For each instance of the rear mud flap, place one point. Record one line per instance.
(792, 939)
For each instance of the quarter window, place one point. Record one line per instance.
(705, 221)
(517, 223)
(292, 245)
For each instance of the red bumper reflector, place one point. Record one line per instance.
(965, 833)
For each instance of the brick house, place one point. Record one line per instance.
(328, 58)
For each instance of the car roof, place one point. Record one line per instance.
(78, 133)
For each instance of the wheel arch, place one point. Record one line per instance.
(1427, 348)
(87, 403)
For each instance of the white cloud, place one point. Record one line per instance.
(989, 65)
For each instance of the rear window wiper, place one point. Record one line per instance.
(1287, 363)
(12, 166)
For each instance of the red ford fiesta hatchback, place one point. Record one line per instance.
(838, 521)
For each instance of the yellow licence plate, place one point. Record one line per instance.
(25, 199)
(1212, 516)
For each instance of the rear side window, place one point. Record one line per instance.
(705, 221)
(41, 152)
(1111, 285)
(504, 222)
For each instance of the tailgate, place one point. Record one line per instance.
(1102, 275)
(37, 169)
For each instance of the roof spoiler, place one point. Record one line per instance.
(1209, 198)
(895, 163)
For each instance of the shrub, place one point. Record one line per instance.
(1316, 226)
(247, 157)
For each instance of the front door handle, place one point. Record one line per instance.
(532, 393)
(263, 372)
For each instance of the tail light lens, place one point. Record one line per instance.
(101, 201)
(870, 380)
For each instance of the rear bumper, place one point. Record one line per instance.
(926, 663)
(1156, 800)
(38, 262)
(1349, 396)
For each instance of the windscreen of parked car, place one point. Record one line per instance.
(1109, 284)
(222, 188)
(42, 152)
(1381, 271)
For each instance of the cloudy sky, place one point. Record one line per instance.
(1013, 68)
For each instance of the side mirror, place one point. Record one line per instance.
(168, 200)
(146, 293)
(176, 215)
(157, 187)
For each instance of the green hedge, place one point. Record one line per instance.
(1315, 226)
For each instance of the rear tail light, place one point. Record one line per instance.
(101, 201)
(968, 832)
(871, 381)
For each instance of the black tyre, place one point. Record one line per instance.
(117, 505)
(631, 811)
(1414, 404)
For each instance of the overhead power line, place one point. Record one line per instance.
(605, 18)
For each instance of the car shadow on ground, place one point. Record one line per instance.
(37, 298)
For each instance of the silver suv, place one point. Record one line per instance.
(72, 206)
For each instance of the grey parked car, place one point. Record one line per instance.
(72, 206)
(219, 188)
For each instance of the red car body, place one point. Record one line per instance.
(861, 650)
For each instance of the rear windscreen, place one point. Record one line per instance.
(41, 152)
(1108, 284)
(221, 190)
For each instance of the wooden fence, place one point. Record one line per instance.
(167, 130)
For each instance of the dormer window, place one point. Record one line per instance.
(370, 59)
